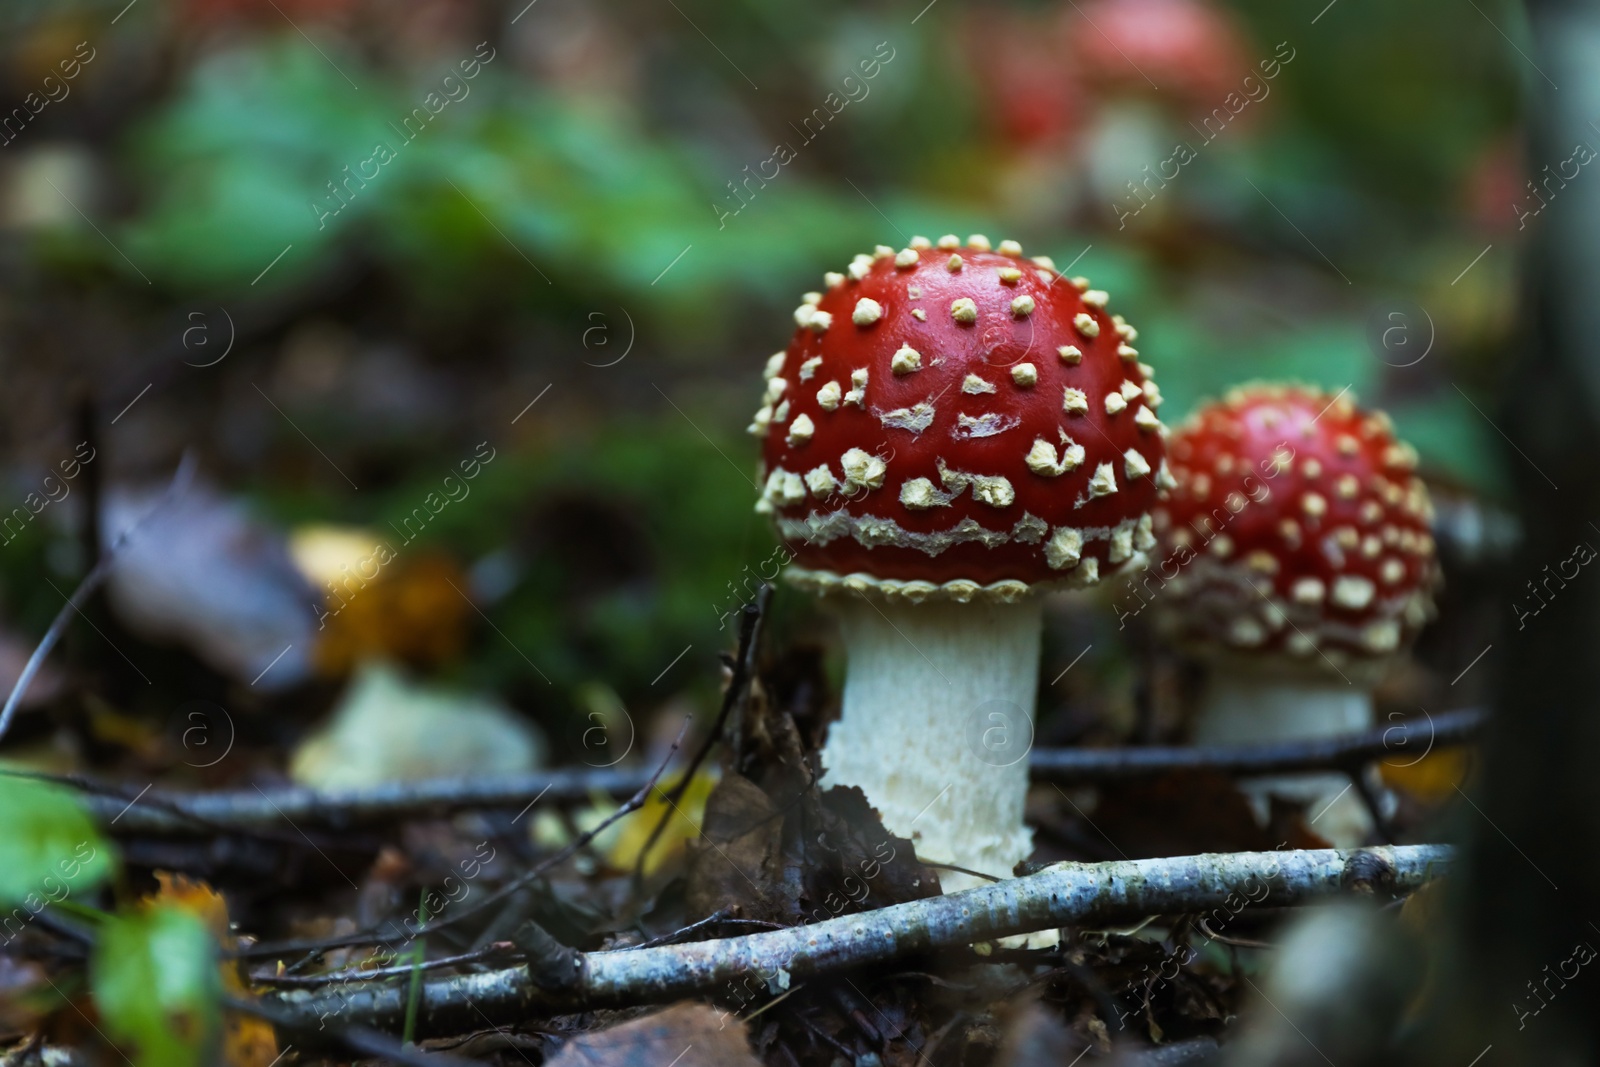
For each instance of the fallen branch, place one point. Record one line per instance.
(1402, 743)
(178, 813)
(166, 812)
(1064, 894)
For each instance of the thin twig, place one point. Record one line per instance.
(721, 918)
(358, 1039)
(750, 617)
(91, 581)
(310, 981)
(1374, 806)
(962, 870)
(1237, 942)
(1403, 743)
(1069, 893)
(189, 813)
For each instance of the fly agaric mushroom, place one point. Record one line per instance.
(1304, 569)
(951, 430)
(1195, 46)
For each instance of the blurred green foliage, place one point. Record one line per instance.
(155, 982)
(49, 848)
(550, 191)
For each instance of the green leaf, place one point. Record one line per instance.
(155, 981)
(49, 848)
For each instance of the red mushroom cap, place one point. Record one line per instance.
(1296, 528)
(951, 421)
(1193, 46)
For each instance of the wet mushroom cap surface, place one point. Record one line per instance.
(1297, 528)
(952, 418)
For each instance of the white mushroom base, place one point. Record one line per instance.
(937, 724)
(1240, 706)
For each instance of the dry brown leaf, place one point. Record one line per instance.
(735, 864)
(685, 1035)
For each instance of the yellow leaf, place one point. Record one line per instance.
(247, 1041)
(1434, 778)
(682, 827)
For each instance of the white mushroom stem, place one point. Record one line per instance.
(936, 725)
(1241, 706)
